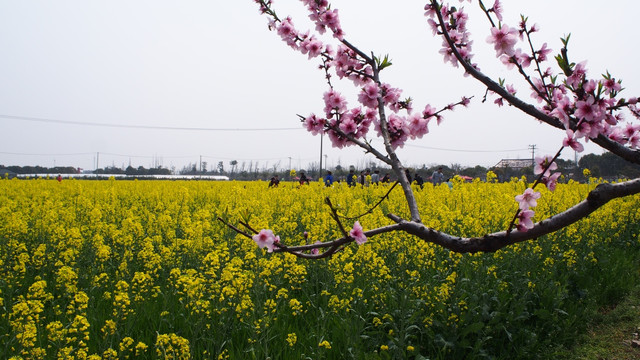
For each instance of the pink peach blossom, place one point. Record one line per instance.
(543, 162)
(551, 181)
(524, 220)
(528, 199)
(358, 234)
(634, 140)
(503, 40)
(316, 251)
(497, 9)
(572, 142)
(611, 85)
(369, 95)
(265, 238)
(313, 124)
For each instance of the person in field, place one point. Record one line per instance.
(328, 179)
(275, 181)
(303, 179)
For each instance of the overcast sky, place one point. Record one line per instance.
(210, 67)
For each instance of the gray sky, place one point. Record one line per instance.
(213, 65)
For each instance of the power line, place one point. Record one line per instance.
(455, 150)
(129, 126)
(47, 154)
(463, 150)
(156, 156)
(68, 122)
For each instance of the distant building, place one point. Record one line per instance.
(510, 168)
(514, 163)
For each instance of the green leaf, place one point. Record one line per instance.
(472, 329)
(508, 334)
(384, 63)
(543, 314)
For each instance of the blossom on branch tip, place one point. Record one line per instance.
(528, 199)
(358, 234)
(503, 40)
(428, 111)
(497, 9)
(314, 125)
(266, 238)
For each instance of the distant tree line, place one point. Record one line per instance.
(607, 166)
(130, 170)
(40, 169)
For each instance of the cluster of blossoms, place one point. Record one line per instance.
(324, 17)
(543, 167)
(455, 27)
(344, 125)
(587, 108)
(341, 123)
(527, 200)
(348, 64)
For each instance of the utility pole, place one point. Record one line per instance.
(289, 163)
(533, 154)
(320, 170)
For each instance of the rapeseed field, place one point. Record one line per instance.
(124, 269)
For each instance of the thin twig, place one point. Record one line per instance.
(234, 228)
(248, 226)
(374, 206)
(336, 217)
